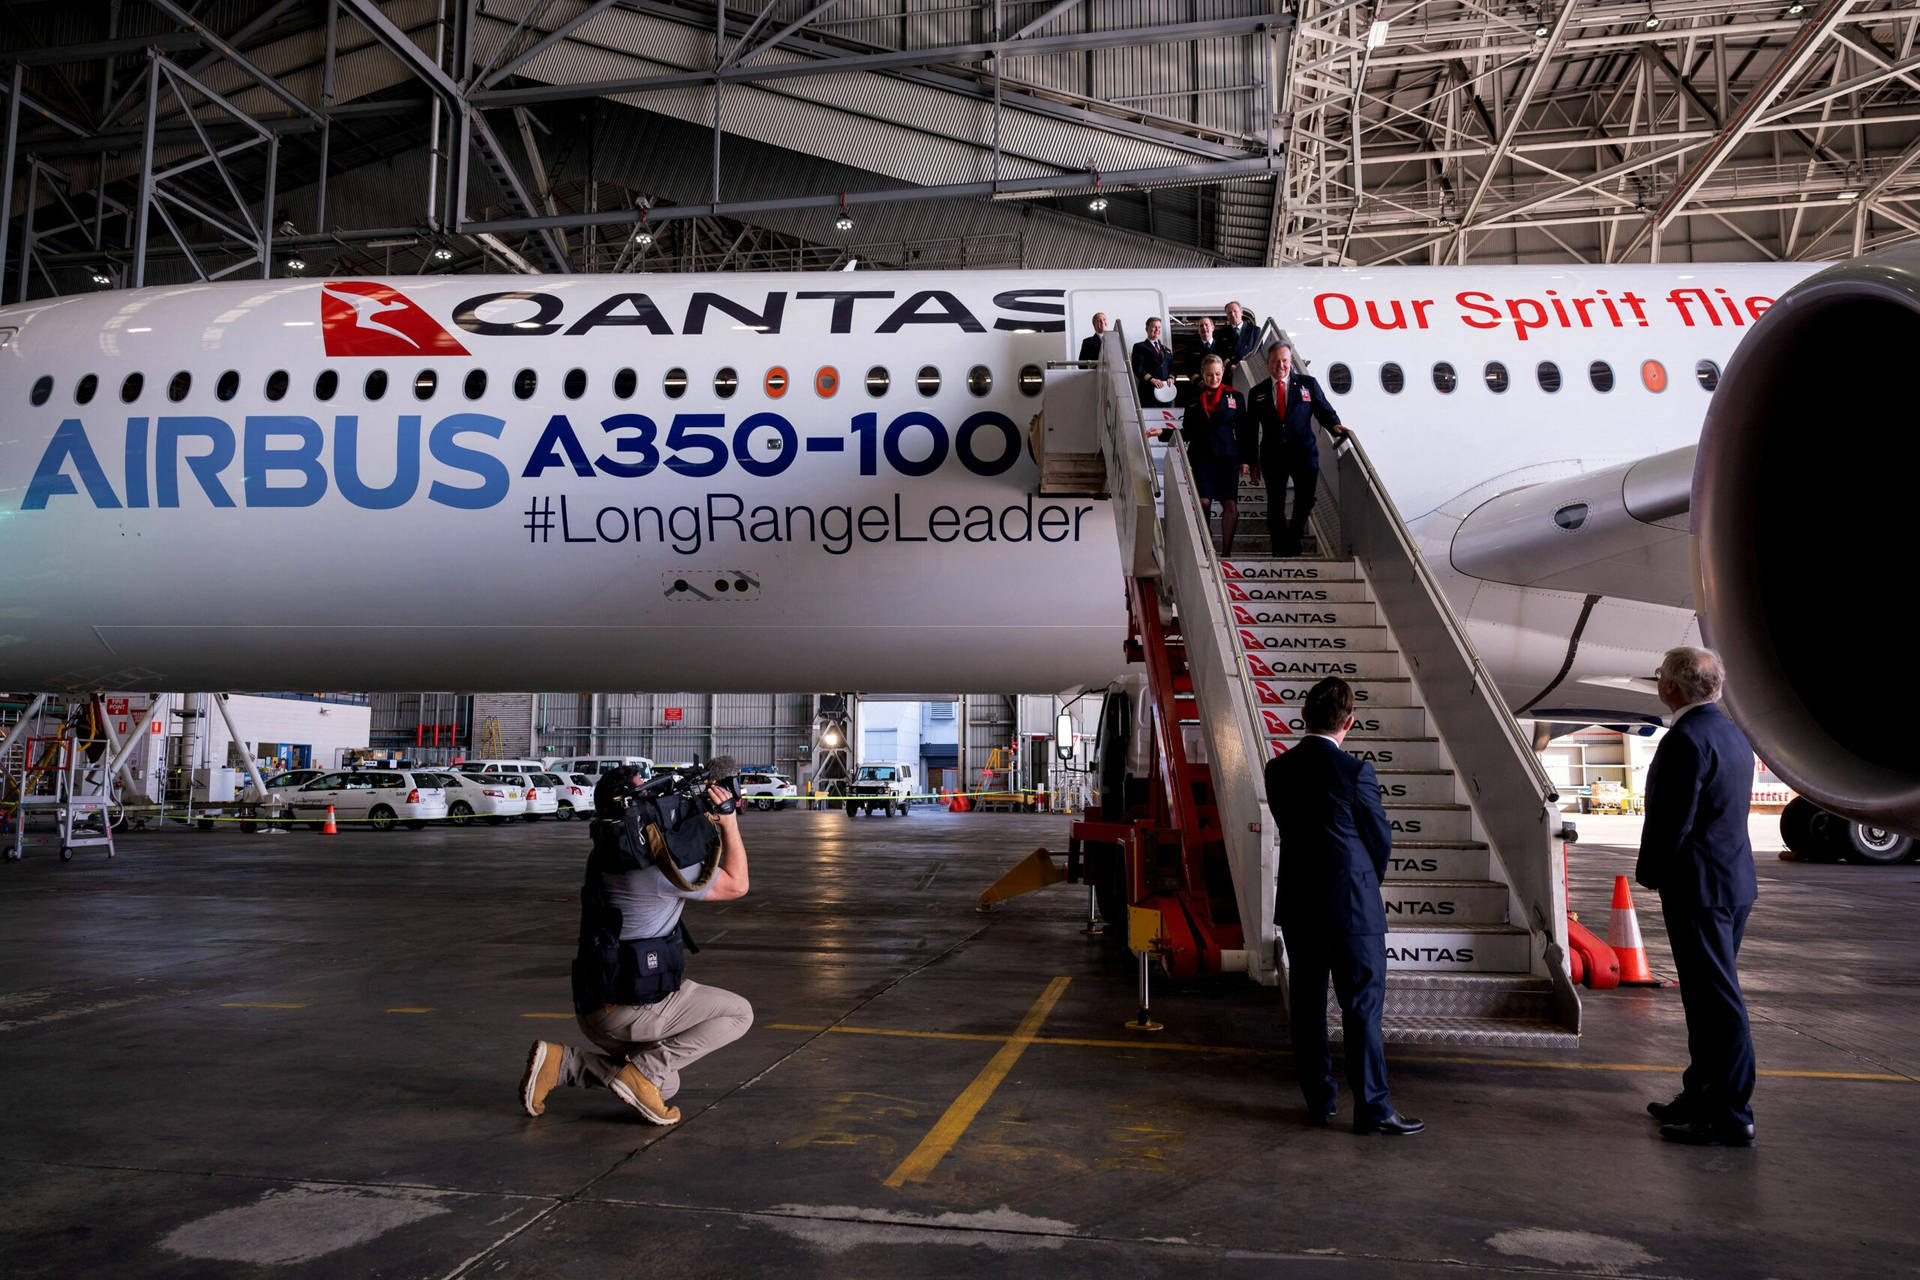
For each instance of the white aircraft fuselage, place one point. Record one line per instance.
(589, 518)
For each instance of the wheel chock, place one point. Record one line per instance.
(1035, 871)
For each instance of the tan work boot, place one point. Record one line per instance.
(543, 1072)
(643, 1096)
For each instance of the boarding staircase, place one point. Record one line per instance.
(1475, 893)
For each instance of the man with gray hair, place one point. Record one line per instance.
(1694, 853)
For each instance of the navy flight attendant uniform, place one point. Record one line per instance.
(1695, 854)
(1217, 442)
(1334, 843)
(1289, 451)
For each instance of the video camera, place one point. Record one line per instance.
(620, 788)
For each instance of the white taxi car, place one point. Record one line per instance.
(495, 797)
(543, 796)
(574, 791)
(376, 798)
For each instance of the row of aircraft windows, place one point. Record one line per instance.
(826, 382)
(1393, 379)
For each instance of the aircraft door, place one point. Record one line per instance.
(1126, 311)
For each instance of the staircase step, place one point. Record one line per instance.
(1459, 948)
(1417, 786)
(1311, 667)
(1472, 1033)
(1321, 640)
(1298, 592)
(1394, 691)
(1445, 823)
(1469, 995)
(1257, 569)
(1401, 753)
(1304, 614)
(1444, 903)
(1368, 722)
(1447, 862)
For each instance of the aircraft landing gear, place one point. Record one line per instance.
(1814, 835)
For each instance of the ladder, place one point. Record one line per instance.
(1475, 893)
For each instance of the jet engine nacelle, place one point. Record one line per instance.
(1806, 499)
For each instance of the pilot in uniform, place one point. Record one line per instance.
(1152, 362)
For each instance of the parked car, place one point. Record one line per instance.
(543, 796)
(377, 798)
(885, 787)
(495, 797)
(575, 794)
(594, 766)
(767, 790)
(500, 766)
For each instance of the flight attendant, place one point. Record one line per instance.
(1219, 434)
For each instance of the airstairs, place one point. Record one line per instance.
(1475, 893)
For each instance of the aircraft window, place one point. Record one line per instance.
(325, 385)
(83, 390)
(42, 388)
(1444, 378)
(725, 383)
(826, 381)
(178, 388)
(676, 383)
(1708, 373)
(376, 384)
(524, 383)
(228, 385)
(1340, 378)
(423, 384)
(1653, 376)
(979, 379)
(1496, 375)
(776, 383)
(576, 384)
(1549, 375)
(878, 381)
(1600, 374)
(1032, 380)
(130, 389)
(928, 381)
(476, 384)
(624, 383)
(1392, 379)
(276, 384)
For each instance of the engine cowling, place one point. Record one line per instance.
(1806, 496)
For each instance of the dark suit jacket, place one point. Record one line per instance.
(1334, 840)
(1090, 346)
(1218, 436)
(1290, 429)
(1694, 850)
(1222, 346)
(1245, 340)
(1146, 364)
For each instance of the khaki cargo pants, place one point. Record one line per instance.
(659, 1039)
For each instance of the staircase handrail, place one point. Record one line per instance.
(1132, 481)
(1490, 754)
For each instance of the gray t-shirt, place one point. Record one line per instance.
(649, 907)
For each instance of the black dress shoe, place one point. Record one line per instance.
(1389, 1122)
(1319, 1117)
(1675, 1112)
(1699, 1133)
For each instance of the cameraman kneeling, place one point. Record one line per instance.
(628, 992)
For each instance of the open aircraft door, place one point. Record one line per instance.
(1127, 311)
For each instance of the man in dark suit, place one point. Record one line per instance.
(1694, 853)
(1285, 407)
(1090, 346)
(1207, 341)
(1153, 365)
(1334, 839)
(1242, 338)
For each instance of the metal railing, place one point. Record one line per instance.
(1507, 786)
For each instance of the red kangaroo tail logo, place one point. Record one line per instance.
(1248, 640)
(1276, 724)
(1243, 617)
(1258, 666)
(1228, 569)
(366, 318)
(1268, 694)
(1237, 592)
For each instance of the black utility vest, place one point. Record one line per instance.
(606, 969)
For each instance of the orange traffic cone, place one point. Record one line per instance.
(329, 829)
(1623, 935)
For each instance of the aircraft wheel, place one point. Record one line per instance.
(1874, 846)
(1796, 826)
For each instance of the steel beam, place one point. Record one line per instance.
(552, 38)
(233, 55)
(1516, 111)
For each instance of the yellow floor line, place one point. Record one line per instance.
(258, 1004)
(565, 1016)
(409, 1010)
(948, 1128)
(1168, 1046)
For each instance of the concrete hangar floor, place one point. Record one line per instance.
(240, 1055)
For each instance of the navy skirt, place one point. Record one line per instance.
(1217, 480)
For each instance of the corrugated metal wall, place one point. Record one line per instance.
(758, 729)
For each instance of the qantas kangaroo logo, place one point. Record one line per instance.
(363, 318)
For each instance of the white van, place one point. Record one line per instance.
(499, 766)
(594, 766)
